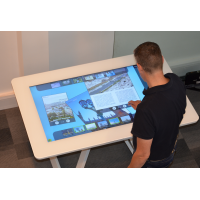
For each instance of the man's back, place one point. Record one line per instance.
(158, 116)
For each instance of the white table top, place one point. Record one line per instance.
(43, 149)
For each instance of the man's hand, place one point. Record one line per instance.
(134, 104)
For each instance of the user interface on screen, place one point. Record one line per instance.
(89, 103)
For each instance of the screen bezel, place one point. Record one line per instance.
(40, 146)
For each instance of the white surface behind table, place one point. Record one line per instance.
(43, 149)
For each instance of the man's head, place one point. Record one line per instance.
(149, 58)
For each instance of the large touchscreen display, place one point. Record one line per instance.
(89, 103)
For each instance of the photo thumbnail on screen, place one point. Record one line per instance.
(78, 80)
(88, 78)
(55, 85)
(91, 126)
(114, 121)
(66, 82)
(79, 129)
(126, 119)
(103, 124)
(58, 112)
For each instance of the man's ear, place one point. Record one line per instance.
(139, 67)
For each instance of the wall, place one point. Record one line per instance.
(180, 49)
(35, 47)
(9, 67)
(70, 48)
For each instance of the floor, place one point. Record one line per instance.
(16, 152)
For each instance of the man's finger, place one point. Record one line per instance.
(131, 102)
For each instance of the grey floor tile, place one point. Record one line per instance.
(5, 137)
(192, 138)
(23, 150)
(194, 96)
(189, 128)
(183, 153)
(180, 136)
(2, 112)
(69, 160)
(186, 164)
(6, 147)
(17, 129)
(7, 156)
(31, 162)
(11, 164)
(196, 153)
(13, 112)
(196, 106)
(3, 121)
(115, 155)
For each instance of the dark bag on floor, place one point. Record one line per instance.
(192, 79)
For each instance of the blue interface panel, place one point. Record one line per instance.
(89, 103)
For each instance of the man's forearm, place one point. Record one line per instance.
(137, 161)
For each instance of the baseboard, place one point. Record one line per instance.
(8, 100)
(182, 69)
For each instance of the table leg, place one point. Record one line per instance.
(55, 163)
(131, 141)
(83, 158)
(129, 146)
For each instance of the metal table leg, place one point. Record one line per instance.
(55, 163)
(129, 146)
(83, 158)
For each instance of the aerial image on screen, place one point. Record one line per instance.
(89, 103)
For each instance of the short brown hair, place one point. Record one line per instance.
(149, 56)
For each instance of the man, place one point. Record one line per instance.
(159, 114)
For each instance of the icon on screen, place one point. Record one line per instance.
(67, 132)
(114, 121)
(91, 126)
(103, 124)
(88, 78)
(78, 80)
(126, 119)
(66, 82)
(114, 108)
(79, 129)
(101, 75)
(110, 73)
(55, 85)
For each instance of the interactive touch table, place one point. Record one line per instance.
(81, 107)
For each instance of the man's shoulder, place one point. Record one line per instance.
(148, 102)
(173, 77)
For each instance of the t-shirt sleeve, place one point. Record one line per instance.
(143, 126)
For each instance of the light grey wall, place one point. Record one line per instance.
(70, 48)
(180, 49)
(35, 50)
(9, 65)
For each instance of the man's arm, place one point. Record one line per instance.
(141, 154)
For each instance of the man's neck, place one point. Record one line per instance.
(156, 79)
